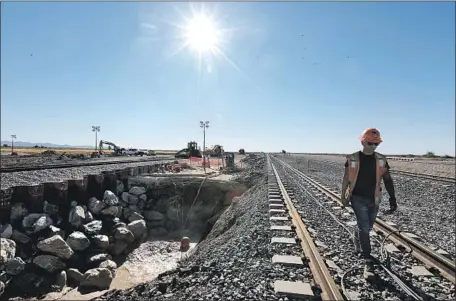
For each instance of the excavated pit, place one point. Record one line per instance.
(186, 206)
(171, 207)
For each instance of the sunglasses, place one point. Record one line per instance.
(372, 143)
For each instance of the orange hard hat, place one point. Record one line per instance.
(371, 135)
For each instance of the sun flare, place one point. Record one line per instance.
(202, 34)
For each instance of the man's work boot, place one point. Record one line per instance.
(368, 269)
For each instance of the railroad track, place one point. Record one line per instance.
(424, 176)
(409, 173)
(79, 164)
(278, 198)
(431, 258)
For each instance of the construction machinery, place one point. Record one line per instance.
(241, 151)
(191, 151)
(215, 151)
(117, 151)
(229, 160)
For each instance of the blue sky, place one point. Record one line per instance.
(305, 77)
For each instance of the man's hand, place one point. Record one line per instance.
(344, 201)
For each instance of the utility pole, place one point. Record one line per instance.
(204, 125)
(96, 129)
(12, 143)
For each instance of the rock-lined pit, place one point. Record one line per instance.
(82, 244)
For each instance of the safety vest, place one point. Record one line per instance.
(353, 169)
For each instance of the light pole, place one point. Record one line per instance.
(12, 143)
(204, 125)
(96, 129)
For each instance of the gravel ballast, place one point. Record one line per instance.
(54, 175)
(425, 207)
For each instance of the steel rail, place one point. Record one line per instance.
(423, 253)
(424, 176)
(320, 272)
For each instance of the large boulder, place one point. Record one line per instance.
(137, 190)
(124, 234)
(138, 228)
(101, 241)
(134, 216)
(125, 196)
(57, 246)
(7, 250)
(88, 217)
(6, 231)
(95, 205)
(78, 241)
(35, 222)
(61, 281)
(20, 237)
(93, 228)
(15, 266)
(49, 263)
(56, 231)
(100, 278)
(108, 264)
(143, 198)
(110, 199)
(77, 216)
(133, 199)
(18, 212)
(112, 211)
(74, 275)
(98, 258)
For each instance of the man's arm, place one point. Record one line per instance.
(345, 180)
(390, 187)
(389, 182)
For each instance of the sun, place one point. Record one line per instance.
(202, 34)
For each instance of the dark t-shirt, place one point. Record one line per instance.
(366, 181)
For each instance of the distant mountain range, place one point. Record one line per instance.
(48, 145)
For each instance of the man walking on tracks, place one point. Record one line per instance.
(364, 171)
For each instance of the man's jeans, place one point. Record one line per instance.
(366, 213)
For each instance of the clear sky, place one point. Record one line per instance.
(305, 77)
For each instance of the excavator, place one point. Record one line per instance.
(117, 150)
(191, 151)
(215, 151)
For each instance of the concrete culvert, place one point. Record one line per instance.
(126, 238)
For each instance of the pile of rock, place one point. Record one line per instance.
(41, 251)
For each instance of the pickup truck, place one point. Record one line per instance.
(139, 152)
(132, 152)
